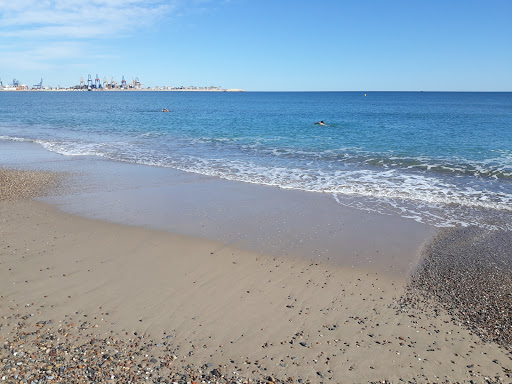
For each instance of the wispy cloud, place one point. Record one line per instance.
(48, 34)
(52, 35)
(78, 19)
(43, 57)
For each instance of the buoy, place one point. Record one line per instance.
(365, 94)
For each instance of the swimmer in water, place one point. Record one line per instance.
(165, 110)
(321, 123)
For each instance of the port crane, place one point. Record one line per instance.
(38, 86)
(95, 83)
(136, 83)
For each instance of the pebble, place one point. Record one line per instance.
(22, 184)
(467, 271)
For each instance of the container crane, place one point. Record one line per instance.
(123, 83)
(89, 82)
(38, 86)
(82, 82)
(97, 82)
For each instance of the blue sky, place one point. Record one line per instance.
(262, 45)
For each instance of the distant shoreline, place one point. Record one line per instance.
(230, 90)
(123, 90)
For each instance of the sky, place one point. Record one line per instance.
(262, 45)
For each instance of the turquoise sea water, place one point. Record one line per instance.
(439, 158)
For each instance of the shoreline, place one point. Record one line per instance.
(257, 218)
(124, 90)
(85, 299)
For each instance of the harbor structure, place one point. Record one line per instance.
(38, 86)
(95, 84)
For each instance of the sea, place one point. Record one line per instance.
(440, 158)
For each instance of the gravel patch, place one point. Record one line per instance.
(75, 353)
(23, 184)
(468, 272)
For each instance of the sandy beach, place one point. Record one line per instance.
(85, 300)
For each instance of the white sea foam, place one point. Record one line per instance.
(421, 197)
(13, 138)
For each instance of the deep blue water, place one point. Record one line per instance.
(442, 158)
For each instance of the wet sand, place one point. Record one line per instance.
(85, 300)
(277, 222)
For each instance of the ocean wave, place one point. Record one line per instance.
(429, 197)
(498, 167)
(14, 138)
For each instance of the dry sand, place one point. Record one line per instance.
(88, 301)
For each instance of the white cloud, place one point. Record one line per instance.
(52, 36)
(48, 56)
(73, 19)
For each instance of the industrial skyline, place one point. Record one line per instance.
(96, 84)
(112, 84)
(90, 83)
